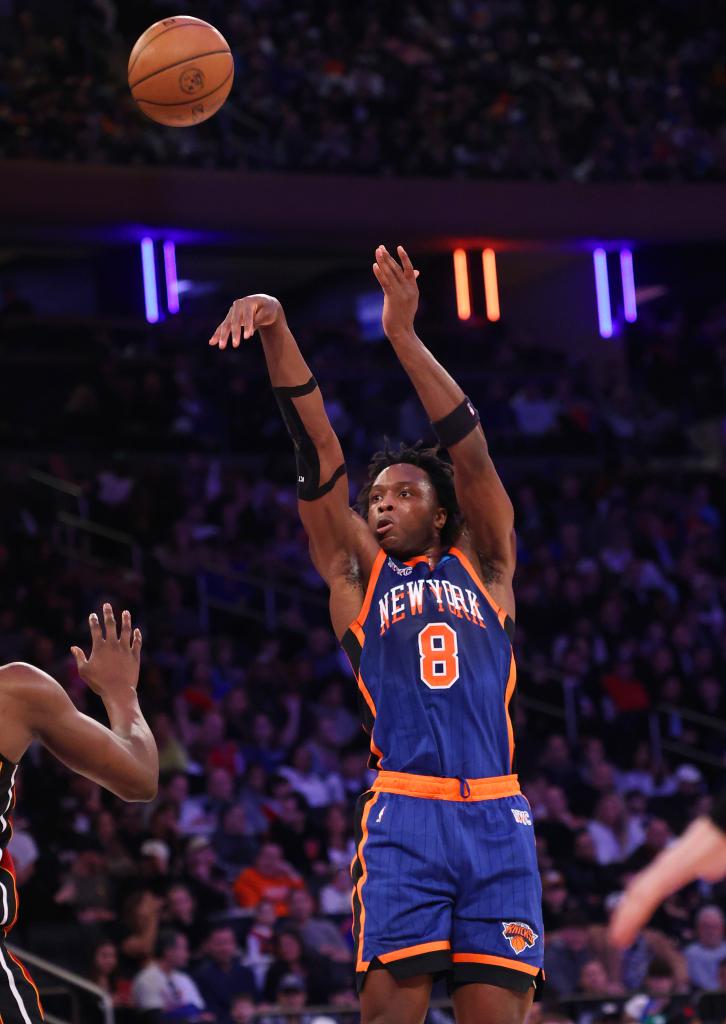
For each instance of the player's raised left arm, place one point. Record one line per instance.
(482, 498)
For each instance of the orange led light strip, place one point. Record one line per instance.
(491, 287)
(461, 281)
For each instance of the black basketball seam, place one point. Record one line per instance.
(183, 103)
(172, 28)
(185, 60)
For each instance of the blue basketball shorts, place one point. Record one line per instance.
(445, 881)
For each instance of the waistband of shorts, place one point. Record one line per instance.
(431, 787)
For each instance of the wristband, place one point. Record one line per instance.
(457, 425)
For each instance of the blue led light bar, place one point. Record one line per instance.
(151, 298)
(604, 315)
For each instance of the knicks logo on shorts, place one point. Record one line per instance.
(519, 935)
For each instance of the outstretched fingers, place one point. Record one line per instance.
(109, 621)
(136, 643)
(95, 627)
(126, 628)
(408, 269)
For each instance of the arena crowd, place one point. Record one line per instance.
(233, 885)
(506, 89)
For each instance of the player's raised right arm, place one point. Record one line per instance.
(336, 533)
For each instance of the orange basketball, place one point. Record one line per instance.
(180, 71)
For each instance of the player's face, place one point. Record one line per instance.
(403, 512)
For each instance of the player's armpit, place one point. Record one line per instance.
(337, 534)
(79, 742)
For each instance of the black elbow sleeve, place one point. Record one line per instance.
(309, 487)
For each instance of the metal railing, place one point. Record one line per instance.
(73, 982)
(77, 534)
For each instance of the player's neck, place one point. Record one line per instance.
(433, 554)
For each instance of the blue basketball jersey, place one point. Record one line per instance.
(433, 658)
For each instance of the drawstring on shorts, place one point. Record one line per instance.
(464, 788)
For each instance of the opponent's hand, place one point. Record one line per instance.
(244, 317)
(699, 853)
(400, 291)
(113, 667)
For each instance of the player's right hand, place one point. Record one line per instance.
(244, 317)
(113, 668)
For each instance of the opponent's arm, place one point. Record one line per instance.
(336, 533)
(699, 853)
(122, 758)
(482, 498)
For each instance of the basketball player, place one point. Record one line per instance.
(699, 853)
(445, 877)
(122, 758)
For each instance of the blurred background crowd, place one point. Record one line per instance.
(505, 89)
(143, 468)
(237, 876)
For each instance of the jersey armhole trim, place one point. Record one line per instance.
(505, 619)
(356, 626)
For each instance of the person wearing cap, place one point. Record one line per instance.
(291, 994)
(155, 855)
(699, 853)
(660, 999)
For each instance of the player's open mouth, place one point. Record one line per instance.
(384, 526)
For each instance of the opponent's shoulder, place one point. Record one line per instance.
(25, 680)
(28, 696)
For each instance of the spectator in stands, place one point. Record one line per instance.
(588, 881)
(243, 1010)
(318, 935)
(164, 986)
(260, 941)
(657, 837)
(335, 896)
(598, 991)
(200, 815)
(706, 952)
(302, 841)
(141, 917)
(270, 878)
(313, 786)
(181, 913)
(567, 951)
(205, 877)
(222, 975)
(291, 958)
(660, 999)
(232, 842)
(615, 834)
(290, 995)
(104, 972)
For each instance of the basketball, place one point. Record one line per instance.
(180, 71)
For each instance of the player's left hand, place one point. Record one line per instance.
(400, 291)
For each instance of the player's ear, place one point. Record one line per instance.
(440, 518)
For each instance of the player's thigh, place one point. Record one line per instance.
(387, 1000)
(474, 1004)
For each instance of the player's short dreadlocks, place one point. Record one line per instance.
(439, 470)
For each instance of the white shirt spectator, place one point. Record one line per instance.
(705, 954)
(155, 989)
